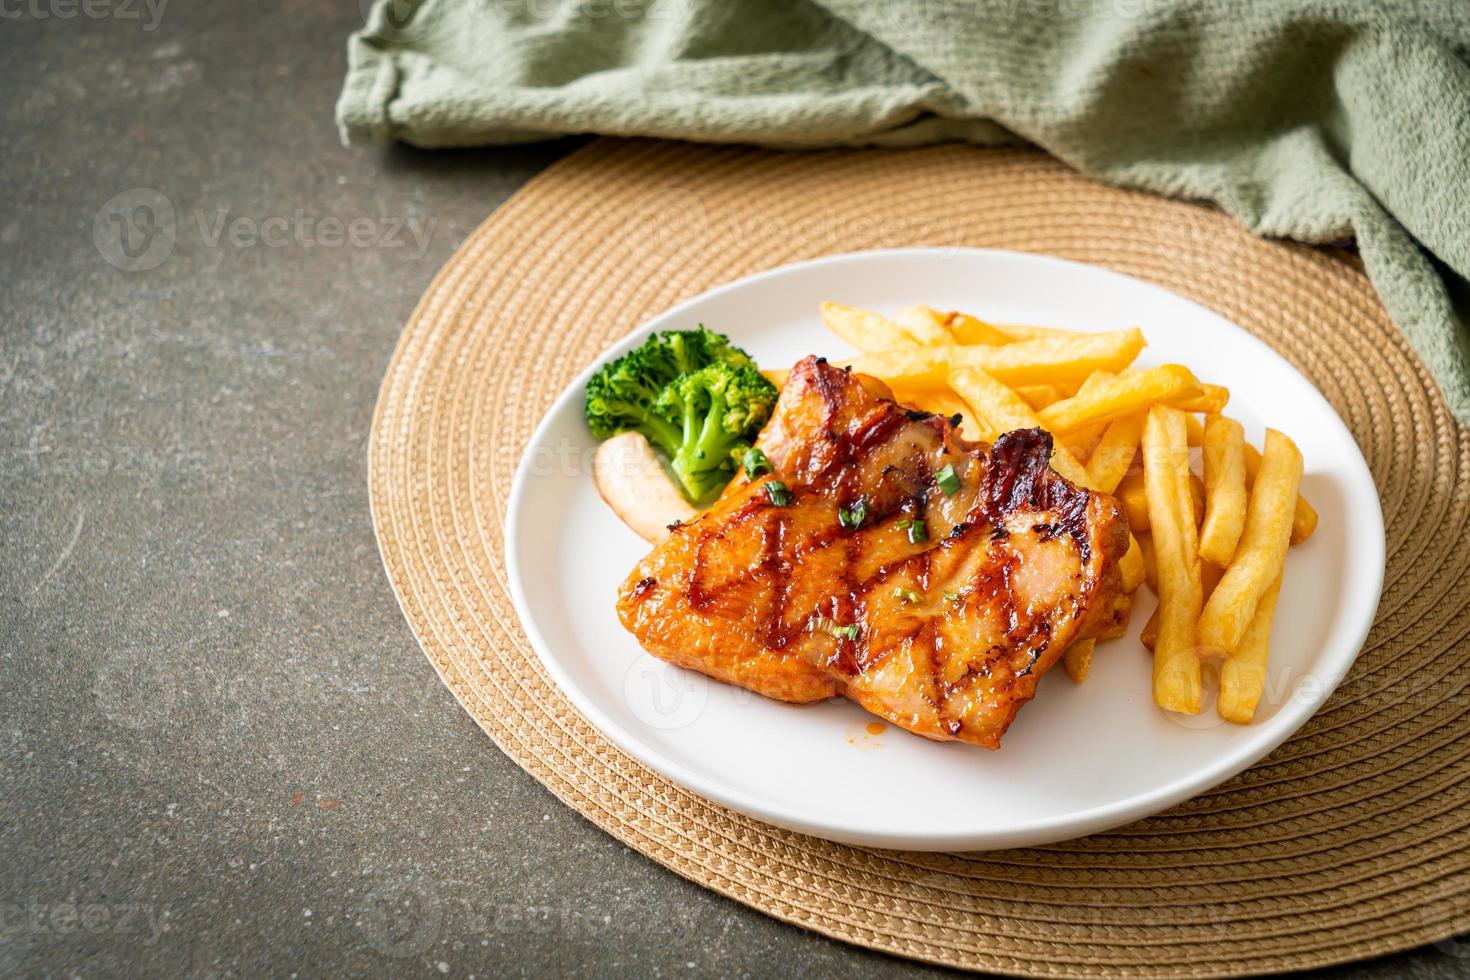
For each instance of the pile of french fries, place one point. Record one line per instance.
(1209, 537)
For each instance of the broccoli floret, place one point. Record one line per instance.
(718, 409)
(693, 395)
(621, 395)
(621, 398)
(686, 351)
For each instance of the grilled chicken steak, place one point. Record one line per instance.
(931, 580)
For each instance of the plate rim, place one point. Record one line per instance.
(1033, 833)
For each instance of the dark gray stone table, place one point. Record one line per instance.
(222, 751)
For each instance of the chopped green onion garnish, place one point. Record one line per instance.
(918, 530)
(755, 463)
(852, 517)
(907, 595)
(848, 632)
(777, 493)
(951, 596)
(947, 480)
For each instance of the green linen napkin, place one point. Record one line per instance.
(1318, 120)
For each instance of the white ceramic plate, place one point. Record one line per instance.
(1079, 758)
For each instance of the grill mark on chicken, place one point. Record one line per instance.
(778, 567)
(878, 428)
(846, 600)
(834, 442)
(845, 607)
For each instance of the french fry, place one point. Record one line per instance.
(918, 395)
(1131, 566)
(913, 396)
(1078, 659)
(924, 326)
(1083, 441)
(1044, 360)
(1040, 396)
(1304, 521)
(1149, 635)
(972, 330)
(1211, 400)
(1131, 495)
(1209, 577)
(998, 409)
(1177, 683)
(1119, 396)
(944, 402)
(1150, 565)
(1096, 380)
(864, 329)
(1225, 497)
(1196, 430)
(1016, 331)
(1114, 452)
(1243, 673)
(1262, 550)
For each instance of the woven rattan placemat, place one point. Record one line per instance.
(1350, 840)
